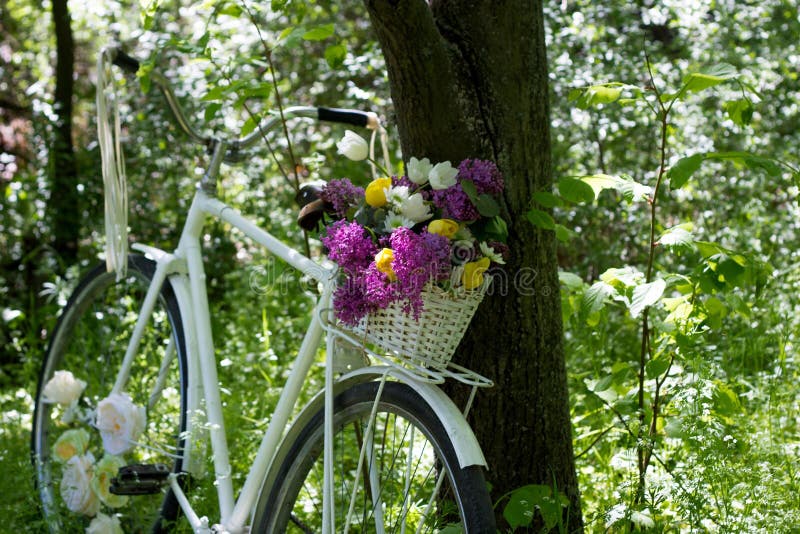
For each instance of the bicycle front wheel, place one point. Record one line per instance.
(395, 467)
(74, 462)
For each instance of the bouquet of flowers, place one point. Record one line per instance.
(435, 227)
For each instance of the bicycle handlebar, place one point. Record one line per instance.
(344, 116)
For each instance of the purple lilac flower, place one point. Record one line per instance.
(484, 174)
(455, 204)
(417, 260)
(350, 246)
(350, 302)
(342, 195)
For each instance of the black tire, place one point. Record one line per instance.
(293, 503)
(89, 341)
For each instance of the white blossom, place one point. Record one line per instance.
(353, 146)
(417, 170)
(120, 422)
(490, 253)
(394, 221)
(104, 524)
(442, 175)
(63, 388)
(414, 208)
(75, 486)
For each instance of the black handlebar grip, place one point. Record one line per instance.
(346, 116)
(126, 62)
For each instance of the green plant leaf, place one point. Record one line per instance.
(698, 81)
(656, 367)
(595, 95)
(596, 297)
(740, 111)
(487, 206)
(563, 233)
(678, 237)
(469, 188)
(571, 280)
(680, 173)
(575, 190)
(335, 55)
(319, 33)
(540, 218)
(547, 200)
(646, 295)
(211, 111)
(522, 504)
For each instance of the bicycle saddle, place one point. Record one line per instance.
(312, 207)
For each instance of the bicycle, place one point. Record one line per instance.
(380, 449)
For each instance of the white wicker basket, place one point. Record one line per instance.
(432, 339)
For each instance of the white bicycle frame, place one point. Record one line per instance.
(185, 269)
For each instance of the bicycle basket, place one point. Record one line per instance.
(430, 340)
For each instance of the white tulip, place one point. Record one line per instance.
(394, 221)
(353, 146)
(75, 486)
(120, 423)
(442, 175)
(414, 208)
(417, 170)
(104, 524)
(397, 195)
(63, 388)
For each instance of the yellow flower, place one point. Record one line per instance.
(376, 192)
(473, 273)
(383, 261)
(71, 443)
(445, 227)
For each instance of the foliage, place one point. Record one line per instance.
(723, 364)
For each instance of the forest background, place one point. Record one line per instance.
(719, 390)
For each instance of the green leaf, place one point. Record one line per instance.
(595, 95)
(680, 173)
(740, 111)
(319, 33)
(656, 367)
(596, 297)
(335, 55)
(563, 233)
(575, 190)
(726, 401)
(540, 218)
(601, 182)
(547, 200)
(211, 110)
(677, 237)
(249, 125)
(522, 504)
(698, 81)
(487, 206)
(469, 188)
(571, 280)
(603, 384)
(646, 295)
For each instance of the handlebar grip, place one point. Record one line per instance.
(346, 116)
(126, 62)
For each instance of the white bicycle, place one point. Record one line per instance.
(380, 449)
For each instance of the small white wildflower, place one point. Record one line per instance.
(490, 253)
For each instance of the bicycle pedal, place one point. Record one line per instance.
(139, 479)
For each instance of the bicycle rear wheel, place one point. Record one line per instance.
(73, 466)
(409, 480)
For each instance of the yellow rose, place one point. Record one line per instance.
(71, 443)
(445, 227)
(104, 471)
(473, 273)
(383, 261)
(376, 192)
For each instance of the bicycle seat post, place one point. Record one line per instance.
(208, 184)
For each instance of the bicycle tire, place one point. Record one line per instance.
(89, 340)
(293, 503)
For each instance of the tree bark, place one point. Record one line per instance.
(64, 198)
(469, 79)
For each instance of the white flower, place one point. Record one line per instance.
(417, 170)
(104, 524)
(353, 146)
(414, 208)
(63, 388)
(490, 253)
(395, 220)
(442, 175)
(397, 195)
(120, 422)
(75, 486)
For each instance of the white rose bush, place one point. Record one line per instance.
(112, 428)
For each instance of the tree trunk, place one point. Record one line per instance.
(64, 198)
(469, 79)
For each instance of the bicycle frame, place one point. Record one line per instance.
(186, 271)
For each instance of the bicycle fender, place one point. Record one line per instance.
(464, 441)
